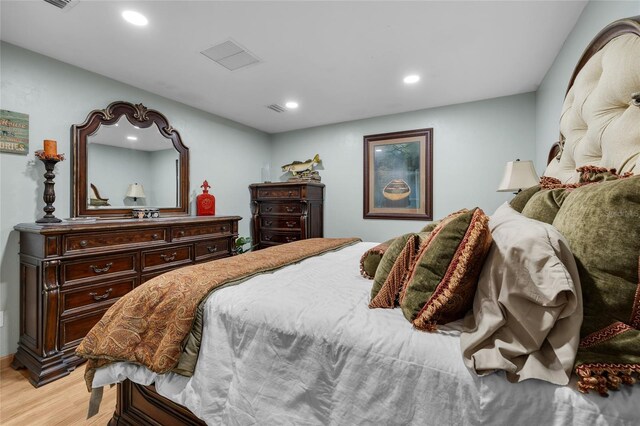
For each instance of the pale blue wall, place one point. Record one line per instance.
(57, 95)
(550, 95)
(472, 143)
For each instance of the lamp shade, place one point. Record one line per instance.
(518, 175)
(135, 190)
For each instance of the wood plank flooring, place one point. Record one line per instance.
(63, 402)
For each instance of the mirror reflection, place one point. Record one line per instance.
(129, 166)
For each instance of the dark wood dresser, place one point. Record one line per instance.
(286, 211)
(72, 272)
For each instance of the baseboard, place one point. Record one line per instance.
(6, 361)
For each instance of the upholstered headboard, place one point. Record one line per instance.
(600, 121)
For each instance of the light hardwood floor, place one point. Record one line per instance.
(63, 402)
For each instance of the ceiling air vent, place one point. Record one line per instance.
(276, 108)
(230, 55)
(63, 4)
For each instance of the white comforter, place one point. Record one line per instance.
(301, 347)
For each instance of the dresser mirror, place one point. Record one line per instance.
(127, 156)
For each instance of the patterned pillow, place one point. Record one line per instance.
(371, 259)
(442, 282)
(386, 263)
(602, 225)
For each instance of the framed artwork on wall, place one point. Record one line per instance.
(398, 175)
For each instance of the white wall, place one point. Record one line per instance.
(57, 95)
(471, 144)
(134, 166)
(162, 160)
(550, 94)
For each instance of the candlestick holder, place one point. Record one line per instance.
(49, 193)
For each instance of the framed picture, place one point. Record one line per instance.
(398, 175)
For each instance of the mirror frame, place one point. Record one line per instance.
(140, 116)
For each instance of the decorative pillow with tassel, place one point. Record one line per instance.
(602, 225)
(386, 263)
(387, 297)
(371, 259)
(442, 282)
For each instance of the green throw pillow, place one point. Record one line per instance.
(371, 259)
(520, 200)
(544, 205)
(429, 227)
(442, 282)
(601, 222)
(387, 261)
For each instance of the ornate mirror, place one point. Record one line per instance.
(127, 156)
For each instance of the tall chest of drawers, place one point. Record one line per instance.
(71, 273)
(286, 211)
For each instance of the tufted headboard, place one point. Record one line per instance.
(600, 121)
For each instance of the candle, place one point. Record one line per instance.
(50, 148)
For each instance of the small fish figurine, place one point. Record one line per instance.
(301, 166)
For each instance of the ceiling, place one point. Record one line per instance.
(339, 60)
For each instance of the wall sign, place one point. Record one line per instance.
(14, 132)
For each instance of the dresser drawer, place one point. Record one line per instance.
(73, 329)
(89, 297)
(278, 237)
(98, 267)
(281, 208)
(270, 222)
(166, 258)
(282, 192)
(118, 239)
(212, 249)
(198, 231)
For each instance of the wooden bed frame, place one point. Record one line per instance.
(137, 404)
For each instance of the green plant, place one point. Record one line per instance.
(241, 242)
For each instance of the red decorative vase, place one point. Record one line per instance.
(205, 202)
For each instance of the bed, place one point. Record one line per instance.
(300, 345)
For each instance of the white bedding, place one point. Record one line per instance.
(300, 346)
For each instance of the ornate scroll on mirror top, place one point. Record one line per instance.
(128, 145)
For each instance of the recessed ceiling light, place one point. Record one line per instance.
(132, 138)
(134, 18)
(291, 105)
(410, 79)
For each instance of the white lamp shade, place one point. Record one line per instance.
(518, 175)
(135, 190)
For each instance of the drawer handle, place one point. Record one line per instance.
(155, 236)
(83, 243)
(101, 270)
(267, 237)
(169, 257)
(290, 193)
(290, 239)
(181, 234)
(212, 249)
(268, 209)
(290, 224)
(225, 229)
(103, 296)
(289, 209)
(268, 223)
